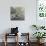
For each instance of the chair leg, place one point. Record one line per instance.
(5, 40)
(5, 43)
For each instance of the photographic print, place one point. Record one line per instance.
(17, 13)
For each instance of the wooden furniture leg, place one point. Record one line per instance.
(5, 40)
(17, 39)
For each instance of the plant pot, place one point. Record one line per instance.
(40, 41)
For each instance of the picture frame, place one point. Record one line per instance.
(17, 13)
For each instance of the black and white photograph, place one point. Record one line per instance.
(17, 13)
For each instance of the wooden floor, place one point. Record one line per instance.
(13, 44)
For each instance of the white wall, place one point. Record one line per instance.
(30, 15)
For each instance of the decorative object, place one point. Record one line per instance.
(41, 8)
(41, 13)
(14, 30)
(17, 13)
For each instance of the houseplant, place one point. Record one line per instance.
(39, 35)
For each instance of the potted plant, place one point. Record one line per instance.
(39, 35)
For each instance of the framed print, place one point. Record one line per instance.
(41, 8)
(41, 12)
(17, 13)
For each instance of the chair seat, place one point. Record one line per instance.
(9, 34)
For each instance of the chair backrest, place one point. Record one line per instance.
(24, 37)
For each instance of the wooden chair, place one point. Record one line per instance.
(8, 34)
(25, 36)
